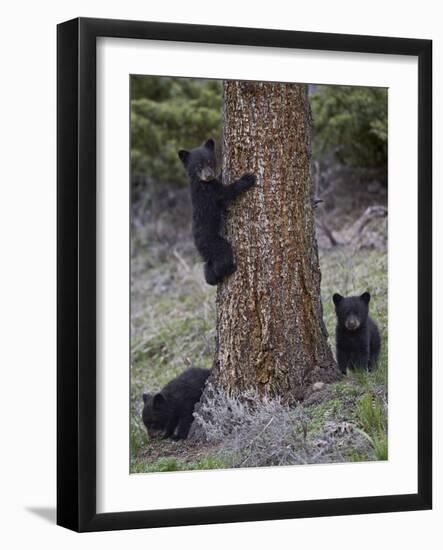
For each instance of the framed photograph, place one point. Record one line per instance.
(244, 274)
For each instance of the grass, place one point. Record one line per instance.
(173, 326)
(372, 418)
(176, 465)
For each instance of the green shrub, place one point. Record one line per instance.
(168, 114)
(351, 124)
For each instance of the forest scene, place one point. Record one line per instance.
(301, 177)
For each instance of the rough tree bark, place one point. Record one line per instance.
(270, 330)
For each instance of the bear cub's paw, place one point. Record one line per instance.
(249, 180)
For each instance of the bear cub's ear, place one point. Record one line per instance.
(145, 397)
(209, 144)
(365, 297)
(337, 298)
(184, 156)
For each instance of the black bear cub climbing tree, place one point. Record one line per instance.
(270, 331)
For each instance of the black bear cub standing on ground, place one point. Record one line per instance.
(169, 412)
(357, 336)
(209, 199)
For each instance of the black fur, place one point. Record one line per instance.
(209, 200)
(169, 412)
(357, 335)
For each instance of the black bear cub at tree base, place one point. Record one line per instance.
(169, 412)
(357, 336)
(209, 200)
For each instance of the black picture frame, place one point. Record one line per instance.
(76, 280)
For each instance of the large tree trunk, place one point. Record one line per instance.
(270, 331)
(271, 338)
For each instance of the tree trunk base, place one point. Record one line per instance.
(316, 382)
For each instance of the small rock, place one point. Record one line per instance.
(318, 386)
